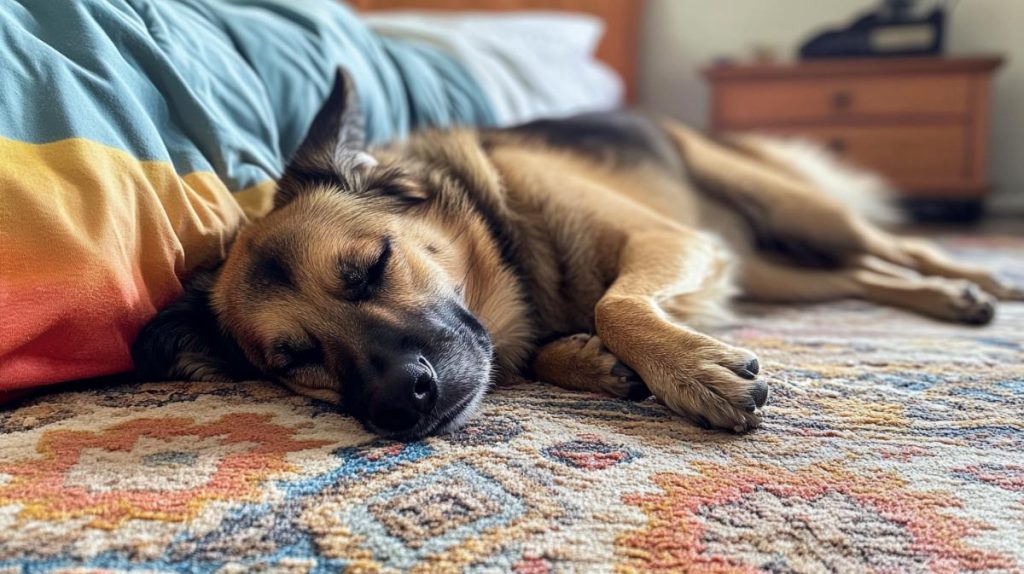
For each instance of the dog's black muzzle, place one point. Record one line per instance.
(424, 379)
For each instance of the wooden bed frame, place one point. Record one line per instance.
(618, 48)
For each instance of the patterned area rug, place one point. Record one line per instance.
(892, 443)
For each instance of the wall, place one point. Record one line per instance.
(682, 36)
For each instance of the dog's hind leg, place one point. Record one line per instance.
(797, 216)
(872, 280)
(927, 259)
(581, 362)
(769, 282)
(666, 279)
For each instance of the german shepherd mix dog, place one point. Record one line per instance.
(400, 282)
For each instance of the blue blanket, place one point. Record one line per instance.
(223, 85)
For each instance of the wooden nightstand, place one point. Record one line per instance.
(921, 122)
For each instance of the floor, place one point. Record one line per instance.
(891, 443)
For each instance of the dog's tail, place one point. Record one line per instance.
(756, 161)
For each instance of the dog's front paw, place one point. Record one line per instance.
(715, 385)
(582, 361)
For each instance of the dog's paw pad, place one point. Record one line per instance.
(721, 391)
(743, 396)
(974, 306)
(750, 369)
(742, 362)
(758, 395)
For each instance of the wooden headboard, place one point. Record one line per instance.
(618, 48)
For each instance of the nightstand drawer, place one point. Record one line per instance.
(766, 101)
(909, 156)
(921, 122)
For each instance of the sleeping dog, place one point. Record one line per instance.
(400, 282)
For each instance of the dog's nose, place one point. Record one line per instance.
(406, 393)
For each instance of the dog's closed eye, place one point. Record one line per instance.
(360, 283)
(287, 357)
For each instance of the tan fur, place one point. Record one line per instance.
(631, 259)
(582, 362)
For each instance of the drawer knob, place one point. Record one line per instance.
(837, 145)
(842, 100)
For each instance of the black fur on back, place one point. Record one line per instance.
(622, 137)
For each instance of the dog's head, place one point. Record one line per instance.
(349, 290)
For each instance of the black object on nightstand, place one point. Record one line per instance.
(897, 29)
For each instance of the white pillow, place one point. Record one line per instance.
(530, 64)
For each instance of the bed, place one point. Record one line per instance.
(619, 44)
(891, 443)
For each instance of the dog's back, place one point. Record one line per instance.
(624, 153)
(722, 186)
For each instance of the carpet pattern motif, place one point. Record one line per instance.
(892, 443)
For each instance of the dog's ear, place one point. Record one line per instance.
(185, 341)
(334, 146)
